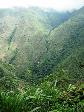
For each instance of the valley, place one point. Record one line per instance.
(41, 60)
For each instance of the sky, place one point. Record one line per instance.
(59, 5)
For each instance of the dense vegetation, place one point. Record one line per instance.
(51, 95)
(41, 60)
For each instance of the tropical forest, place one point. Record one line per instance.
(41, 59)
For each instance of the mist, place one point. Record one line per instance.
(59, 5)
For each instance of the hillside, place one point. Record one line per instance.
(39, 41)
(41, 60)
(8, 79)
(66, 48)
(24, 35)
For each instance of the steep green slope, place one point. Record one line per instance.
(23, 36)
(33, 45)
(39, 41)
(9, 80)
(66, 46)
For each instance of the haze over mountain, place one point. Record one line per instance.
(41, 57)
(26, 34)
(59, 5)
(27, 37)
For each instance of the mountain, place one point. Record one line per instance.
(24, 34)
(41, 60)
(42, 41)
(66, 46)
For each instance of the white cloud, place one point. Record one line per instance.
(57, 4)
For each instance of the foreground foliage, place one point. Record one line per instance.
(45, 98)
